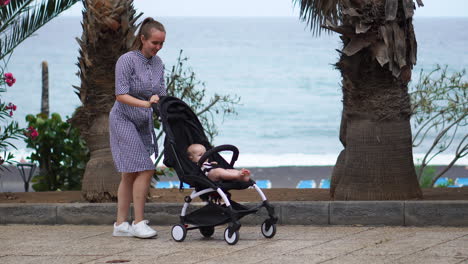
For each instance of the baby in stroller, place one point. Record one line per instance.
(188, 151)
(196, 151)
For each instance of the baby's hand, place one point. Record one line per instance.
(214, 163)
(245, 175)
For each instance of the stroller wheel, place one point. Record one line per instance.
(179, 232)
(207, 231)
(231, 240)
(268, 230)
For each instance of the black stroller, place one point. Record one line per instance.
(182, 128)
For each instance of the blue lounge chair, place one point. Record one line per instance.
(306, 184)
(441, 181)
(446, 182)
(264, 184)
(164, 185)
(176, 184)
(324, 184)
(460, 182)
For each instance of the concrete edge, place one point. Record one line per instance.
(395, 213)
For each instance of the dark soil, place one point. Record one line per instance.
(249, 195)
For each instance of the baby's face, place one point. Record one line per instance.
(196, 153)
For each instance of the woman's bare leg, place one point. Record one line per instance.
(140, 190)
(124, 196)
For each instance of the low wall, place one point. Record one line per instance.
(395, 213)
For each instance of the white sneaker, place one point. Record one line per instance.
(142, 230)
(122, 230)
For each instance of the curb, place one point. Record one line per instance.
(391, 213)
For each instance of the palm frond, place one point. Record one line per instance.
(25, 19)
(316, 12)
(9, 12)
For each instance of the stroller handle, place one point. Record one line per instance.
(234, 149)
(155, 107)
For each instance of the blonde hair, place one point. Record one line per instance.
(145, 30)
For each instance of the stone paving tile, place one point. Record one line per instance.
(194, 249)
(261, 251)
(457, 247)
(9, 231)
(358, 259)
(45, 259)
(322, 233)
(422, 258)
(420, 239)
(348, 244)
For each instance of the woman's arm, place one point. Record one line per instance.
(123, 71)
(132, 101)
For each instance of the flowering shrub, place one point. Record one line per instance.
(18, 21)
(58, 148)
(9, 129)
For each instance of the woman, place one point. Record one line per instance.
(139, 81)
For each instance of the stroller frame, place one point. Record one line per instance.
(215, 212)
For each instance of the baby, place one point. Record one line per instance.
(196, 151)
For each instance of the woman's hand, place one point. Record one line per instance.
(154, 99)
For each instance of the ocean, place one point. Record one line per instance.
(290, 107)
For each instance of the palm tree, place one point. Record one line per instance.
(108, 31)
(379, 51)
(19, 19)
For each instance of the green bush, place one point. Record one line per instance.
(427, 175)
(60, 151)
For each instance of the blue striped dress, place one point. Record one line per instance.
(132, 136)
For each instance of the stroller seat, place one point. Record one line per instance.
(182, 128)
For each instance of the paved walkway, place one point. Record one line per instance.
(292, 244)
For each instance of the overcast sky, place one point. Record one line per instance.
(155, 8)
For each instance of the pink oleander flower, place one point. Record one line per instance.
(4, 2)
(32, 133)
(11, 106)
(9, 79)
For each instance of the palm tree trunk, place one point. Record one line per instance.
(378, 54)
(377, 161)
(108, 31)
(100, 180)
(339, 168)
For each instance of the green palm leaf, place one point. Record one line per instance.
(315, 12)
(21, 18)
(9, 12)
